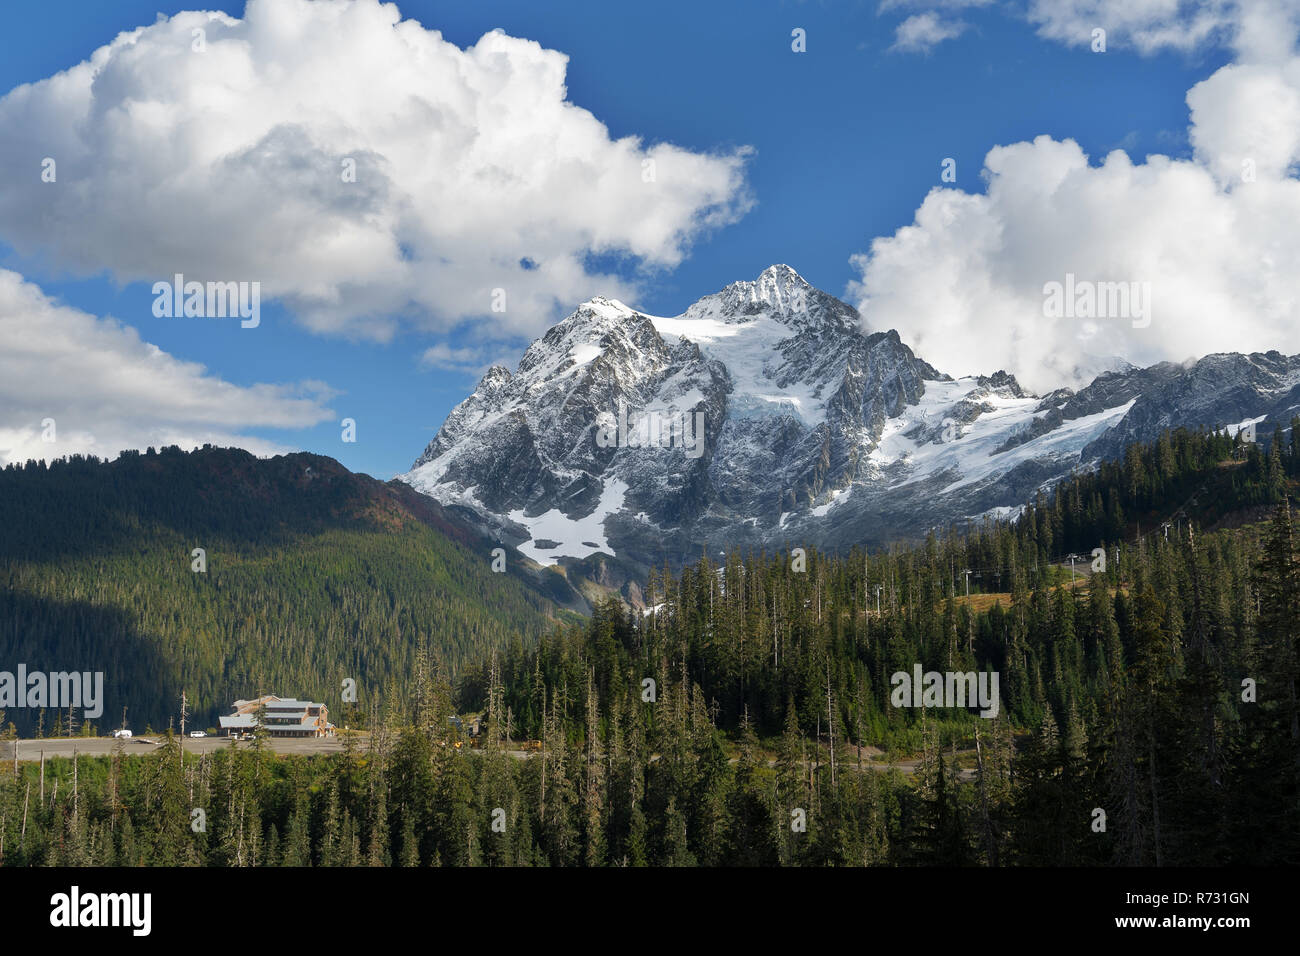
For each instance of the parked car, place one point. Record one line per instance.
(121, 733)
(197, 733)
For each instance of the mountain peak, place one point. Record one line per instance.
(781, 273)
(780, 293)
(599, 310)
(1003, 381)
(778, 287)
(493, 379)
(605, 303)
(802, 426)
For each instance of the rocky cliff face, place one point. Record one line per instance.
(765, 416)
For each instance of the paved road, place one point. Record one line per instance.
(93, 746)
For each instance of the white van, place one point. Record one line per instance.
(121, 733)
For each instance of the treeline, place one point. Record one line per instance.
(1147, 714)
(1163, 697)
(757, 631)
(1157, 725)
(1153, 483)
(1153, 725)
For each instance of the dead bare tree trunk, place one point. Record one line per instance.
(22, 843)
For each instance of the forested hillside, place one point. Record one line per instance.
(313, 574)
(1161, 691)
(1148, 712)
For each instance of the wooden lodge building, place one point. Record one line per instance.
(284, 717)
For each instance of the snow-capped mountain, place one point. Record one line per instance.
(765, 416)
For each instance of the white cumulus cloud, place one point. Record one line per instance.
(225, 149)
(1213, 236)
(105, 389)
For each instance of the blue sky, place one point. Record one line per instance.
(847, 141)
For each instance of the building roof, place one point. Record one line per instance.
(278, 705)
(268, 697)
